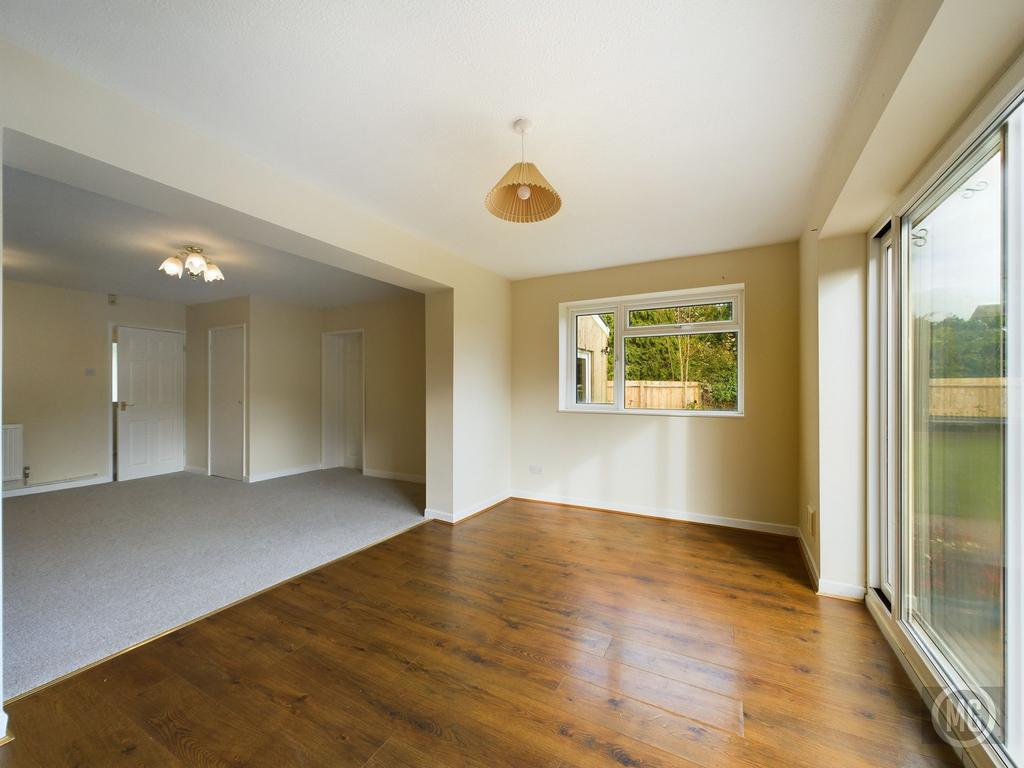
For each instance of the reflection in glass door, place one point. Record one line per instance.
(955, 425)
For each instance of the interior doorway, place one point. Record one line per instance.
(227, 387)
(342, 410)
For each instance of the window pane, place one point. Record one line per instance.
(595, 362)
(691, 313)
(957, 428)
(691, 372)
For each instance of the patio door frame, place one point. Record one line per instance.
(888, 406)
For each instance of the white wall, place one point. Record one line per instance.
(481, 395)
(735, 470)
(842, 413)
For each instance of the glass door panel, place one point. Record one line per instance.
(955, 425)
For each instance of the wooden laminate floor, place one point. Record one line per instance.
(531, 635)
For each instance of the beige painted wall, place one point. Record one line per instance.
(481, 395)
(728, 467)
(199, 319)
(51, 338)
(439, 311)
(808, 470)
(284, 387)
(395, 421)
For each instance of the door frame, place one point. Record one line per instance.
(323, 392)
(111, 325)
(245, 396)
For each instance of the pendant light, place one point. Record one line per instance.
(523, 195)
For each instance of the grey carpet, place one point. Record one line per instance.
(91, 571)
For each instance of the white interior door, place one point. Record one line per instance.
(351, 427)
(151, 412)
(227, 402)
(343, 400)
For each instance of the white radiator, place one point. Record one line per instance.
(13, 455)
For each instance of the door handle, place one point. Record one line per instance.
(125, 405)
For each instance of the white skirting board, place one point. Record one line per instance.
(467, 511)
(828, 588)
(58, 485)
(197, 470)
(436, 514)
(387, 474)
(812, 567)
(825, 587)
(669, 514)
(260, 476)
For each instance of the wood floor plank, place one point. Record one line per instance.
(532, 635)
(395, 753)
(77, 725)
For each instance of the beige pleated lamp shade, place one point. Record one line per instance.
(506, 202)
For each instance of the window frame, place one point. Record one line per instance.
(620, 308)
(884, 409)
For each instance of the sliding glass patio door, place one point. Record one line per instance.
(956, 426)
(950, 472)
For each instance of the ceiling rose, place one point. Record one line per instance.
(523, 195)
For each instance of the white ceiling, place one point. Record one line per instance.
(670, 127)
(60, 235)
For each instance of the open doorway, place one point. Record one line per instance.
(342, 409)
(113, 368)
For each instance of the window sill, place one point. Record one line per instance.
(650, 412)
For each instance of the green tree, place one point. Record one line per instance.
(972, 348)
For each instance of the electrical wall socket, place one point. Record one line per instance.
(536, 469)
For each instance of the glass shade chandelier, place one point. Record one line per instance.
(192, 262)
(523, 195)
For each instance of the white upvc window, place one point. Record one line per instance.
(677, 353)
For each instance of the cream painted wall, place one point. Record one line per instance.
(808, 470)
(734, 468)
(481, 395)
(284, 387)
(439, 344)
(842, 411)
(395, 375)
(52, 338)
(199, 319)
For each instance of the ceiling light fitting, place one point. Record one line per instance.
(192, 261)
(523, 195)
